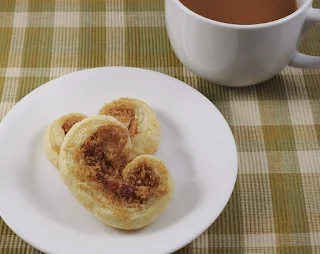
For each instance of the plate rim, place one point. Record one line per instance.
(177, 81)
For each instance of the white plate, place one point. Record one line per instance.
(197, 146)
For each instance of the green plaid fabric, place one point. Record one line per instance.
(275, 207)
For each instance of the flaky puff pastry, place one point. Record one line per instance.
(55, 133)
(141, 121)
(94, 166)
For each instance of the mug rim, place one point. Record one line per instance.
(304, 6)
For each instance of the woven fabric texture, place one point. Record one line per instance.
(275, 206)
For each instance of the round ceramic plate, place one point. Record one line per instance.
(197, 146)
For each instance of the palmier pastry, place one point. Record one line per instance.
(94, 166)
(55, 134)
(141, 121)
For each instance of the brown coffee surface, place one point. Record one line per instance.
(242, 12)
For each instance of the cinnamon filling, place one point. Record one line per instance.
(133, 127)
(104, 166)
(144, 180)
(70, 121)
(106, 143)
(125, 112)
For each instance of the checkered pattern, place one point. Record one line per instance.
(275, 206)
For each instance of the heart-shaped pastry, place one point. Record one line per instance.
(141, 121)
(95, 165)
(55, 133)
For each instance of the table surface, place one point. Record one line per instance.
(275, 206)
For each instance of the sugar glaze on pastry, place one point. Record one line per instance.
(56, 132)
(95, 166)
(141, 121)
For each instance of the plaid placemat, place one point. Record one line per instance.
(275, 206)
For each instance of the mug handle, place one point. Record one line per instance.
(300, 60)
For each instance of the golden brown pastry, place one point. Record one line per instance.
(141, 121)
(94, 165)
(56, 132)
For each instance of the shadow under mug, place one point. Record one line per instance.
(239, 55)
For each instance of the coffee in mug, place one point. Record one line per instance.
(256, 40)
(243, 12)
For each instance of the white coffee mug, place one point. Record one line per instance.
(239, 55)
